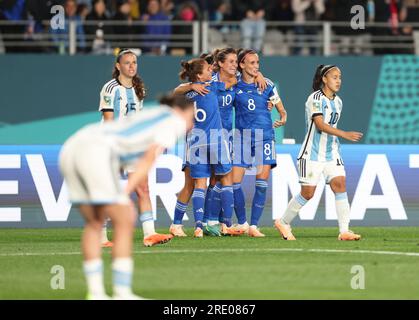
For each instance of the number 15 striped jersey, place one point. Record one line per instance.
(317, 145)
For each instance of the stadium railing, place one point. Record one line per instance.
(281, 38)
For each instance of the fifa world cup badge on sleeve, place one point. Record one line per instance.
(316, 107)
(107, 100)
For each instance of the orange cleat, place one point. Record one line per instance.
(255, 232)
(244, 228)
(107, 244)
(157, 238)
(284, 230)
(177, 230)
(198, 233)
(230, 231)
(349, 236)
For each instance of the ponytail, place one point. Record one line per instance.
(191, 69)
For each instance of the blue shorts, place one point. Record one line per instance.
(205, 159)
(254, 154)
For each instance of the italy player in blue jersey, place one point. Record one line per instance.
(122, 97)
(207, 147)
(254, 140)
(320, 152)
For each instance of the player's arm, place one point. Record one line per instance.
(143, 166)
(106, 104)
(324, 127)
(261, 81)
(107, 115)
(184, 88)
(282, 112)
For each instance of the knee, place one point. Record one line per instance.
(338, 185)
(307, 194)
(143, 189)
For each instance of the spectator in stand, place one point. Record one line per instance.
(306, 10)
(168, 8)
(13, 10)
(221, 12)
(127, 31)
(253, 24)
(280, 10)
(409, 14)
(162, 32)
(60, 36)
(187, 12)
(96, 29)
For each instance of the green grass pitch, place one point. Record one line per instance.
(316, 266)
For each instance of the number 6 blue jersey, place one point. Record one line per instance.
(252, 108)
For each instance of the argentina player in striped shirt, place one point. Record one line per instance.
(121, 97)
(320, 152)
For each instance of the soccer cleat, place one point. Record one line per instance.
(157, 238)
(198, 233)
(255, 232)
(213, 231)
(177, 230)
(107, 244)
(230, 231)
(349, 236)
(241, 227)
(97, 297)
(284, 230)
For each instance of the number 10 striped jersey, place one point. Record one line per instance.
(317, 145)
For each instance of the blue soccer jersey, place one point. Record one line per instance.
(251, 106)
(225, 103)
(206, 143)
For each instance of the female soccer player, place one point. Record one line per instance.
(90, 162)
(207, 147)
(320, 152)
(119, 98)
(254, 141)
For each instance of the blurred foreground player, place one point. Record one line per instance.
(90, 162)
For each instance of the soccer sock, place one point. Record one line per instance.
(342, 211)
(180, 210)
(216, 202)
(93, 271)
(259, 200)
(294, 206)
(227, 202)
(208, 201)
(105, 232)
(198, 199)
(239, 203)
(147, 220)
(122, 276)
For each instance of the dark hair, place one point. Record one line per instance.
(220, 55)
(191, 69)
(241, 55)
(176, 100)
(319, 74)
(137, 82)
(208, 57)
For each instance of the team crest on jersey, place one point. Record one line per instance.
(107, 100)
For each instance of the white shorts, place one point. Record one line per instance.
(309, 171)
(91, 172)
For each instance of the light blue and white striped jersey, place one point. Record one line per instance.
(130, 137)
(317, 145)
(119, 99)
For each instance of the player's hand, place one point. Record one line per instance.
(200, 88)
(270, 106)
(353, 136)
(261, 82)
(282, 122)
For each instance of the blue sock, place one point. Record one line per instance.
(208, 200)
(216, 202)
(198, 200)
(180, 210)
(239, 203)
(258, 201)
(227, 201)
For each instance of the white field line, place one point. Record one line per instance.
(221, 250)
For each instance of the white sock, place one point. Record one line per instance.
(93, 271)
(253, 226)
(294, 206)
(105, 231)
(342, 211)
(147, 221)
(122, 269)
(213, 222)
